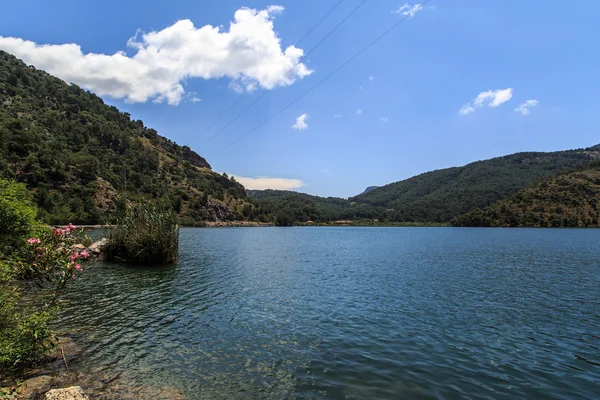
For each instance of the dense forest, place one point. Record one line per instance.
(568, 199)
(81, 158)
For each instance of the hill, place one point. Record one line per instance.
(440, 196)
(569, 199)
(432, 197)
(288, 208)
(80, 157)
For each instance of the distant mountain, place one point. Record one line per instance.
(369, 189)
(79, 156)
(440, 196)
(433, 197)
(568, 199)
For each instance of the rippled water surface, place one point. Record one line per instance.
(352, 313)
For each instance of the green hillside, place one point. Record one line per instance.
(80, 156)
(569, 199)
(433, 197)
(288, 208)
(439, 196)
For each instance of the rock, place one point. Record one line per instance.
(34, 386)
(71, 393)
(78, 246)
(97, 246)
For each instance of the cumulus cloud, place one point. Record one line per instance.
(262, 183)
(195, 99)
(249, 53)
(490, 98)
(359, 111)
(524, 108)
(407, 10)
(301, 124)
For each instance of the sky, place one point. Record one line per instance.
(455, 82)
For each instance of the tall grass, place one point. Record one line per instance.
(145, 234)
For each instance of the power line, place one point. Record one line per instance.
(266, 91)
(384, 34)
(246, 94)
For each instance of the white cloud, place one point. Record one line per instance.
(359, 111)
(467, 109)
(301, 124)
(195, 99)
(249, 53)
(384, 119)
(337, 116)
(263, 182)
(524, 108)
(371, 78)
(408, 11)
(490, 98)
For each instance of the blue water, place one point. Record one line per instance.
(351, 313)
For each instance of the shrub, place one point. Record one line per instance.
(17, 215)
(145, 234)
(25, 336)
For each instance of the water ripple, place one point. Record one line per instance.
(351, 313)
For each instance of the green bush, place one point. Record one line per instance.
(25, 336)
(145, 234)
(17, 215)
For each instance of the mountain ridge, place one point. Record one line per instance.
(81, 157)
(432, 197)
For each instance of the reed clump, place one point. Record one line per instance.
(145, 234)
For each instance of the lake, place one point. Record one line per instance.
(351, 313)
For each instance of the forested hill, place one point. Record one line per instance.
(439, 196)
(288, 208)
(568, 199)
(433, 197)
(79, 155)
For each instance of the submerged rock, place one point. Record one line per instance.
(71, 393)
(34, 386)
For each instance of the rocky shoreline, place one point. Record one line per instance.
(236, 224)
(55, 379)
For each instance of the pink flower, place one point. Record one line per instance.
(33, 241)
(84, 254)
(70, 228)
(78, 267)
(74, 256)
(57, 231)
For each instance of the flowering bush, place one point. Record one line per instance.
(51, 256)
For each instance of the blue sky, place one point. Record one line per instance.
(443, 89)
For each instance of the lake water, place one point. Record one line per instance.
(351, 313)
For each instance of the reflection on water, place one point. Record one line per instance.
(360, 313)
